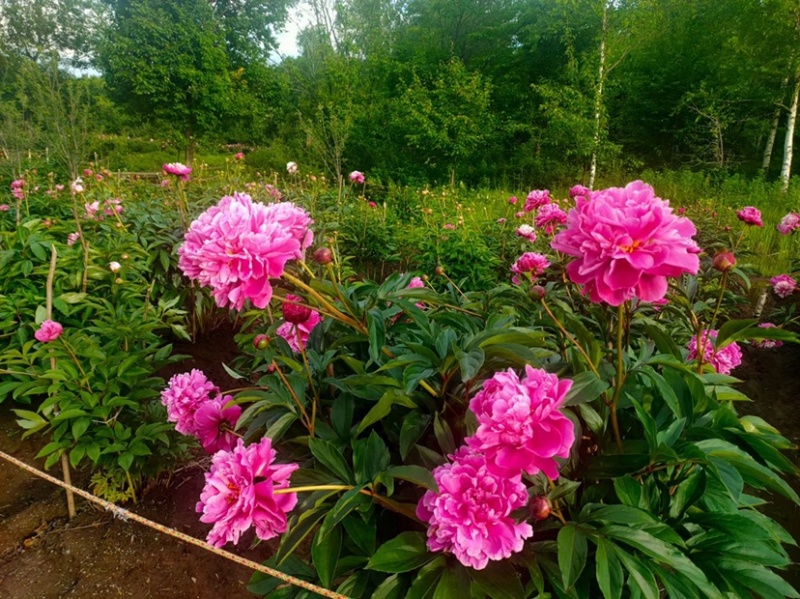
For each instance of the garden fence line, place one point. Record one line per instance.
(124, 514)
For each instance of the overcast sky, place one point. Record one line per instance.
(299, 17)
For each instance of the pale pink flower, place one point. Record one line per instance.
(214, 424)
(750, 215)
(112, 206)
(357, 177)
(165, 183)
(789, 223)
(537, 198)
(18, 184)
(500, 220)
(99, 177)
(239, 493)
(783, 285)
(519, 214)
(177, 169)
(295, 220)
(291, 168)
(184, 395)
(579, 190)
(530, 263)
(73, 237)
(92, 210)
(236, 246)
(4, 207)
(114, 266)
(626, 242)
(449, 226)
(273, 192)
(59, 187)
(549, 217)
(296, 334)
(77, 186)
(512, 200)
(767, 343)
(520, 425)
(48, 331)
(722, 359)
(526, 232)
(471, 515)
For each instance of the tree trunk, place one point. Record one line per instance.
(598, 99)
(788, 145)
(773, 130)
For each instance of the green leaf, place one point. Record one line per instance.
(393, 587)
(370, 457)
(608, 569)
(406, 552)
(384, 406)
(586, 387)
(427, 580)
(346, 504)
(325, 554)
(76, 455)
(454, 583)
(649, 425)
(640, 578)
(444, 436)
(376, 327)
(363, 534)
(415, 474)
(572, 551)
(292, 538)
(232, 373)
(342, 416)
(72, 297)
(414, 425)
(470, 362)
(330, 457)
(733, 330)
(498, 580)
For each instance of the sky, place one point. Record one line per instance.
(299, 17)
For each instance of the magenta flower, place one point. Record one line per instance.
(184, 395)
(767, 343)
(296, 334)
(236, 246)
(626, 242)
(549, 217)
(177, 169)
(789, 223)
(537, 198)
(526, 232)
(520, 425)
(470, 516)
(373, 205)
(722, 359)
(357, 177)
(750, 215)
(238, 156)
(512, 200)
(18, 184)
(214, 424)
(783, 285)
(579, 190)
(48, 331)
(87, 172)
(73, 237)
(529, 263)
(295, 220)
(240, 493)
(415, 283)
(295, 313)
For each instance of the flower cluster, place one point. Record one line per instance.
(197, 408)
(520, 429)
(236, 246)
(789, 223)
(49, 331)
(750, 215)
(536, 199)
(177, 169)
(626, 242)
(240, 493)
(783, 285)
(722, 359)
(529, 263)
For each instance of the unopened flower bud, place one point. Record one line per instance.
(261, 341)
(114, 266)
(439, 271)
(323, 256)
(537, 293)
(294, 313)
(724, 261)
(539, 508)
(119, 281)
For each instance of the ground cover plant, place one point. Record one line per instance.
(530, 395)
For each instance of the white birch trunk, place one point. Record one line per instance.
(598, 99)
(773, 130)
(788, 145)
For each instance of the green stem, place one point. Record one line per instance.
(722, 285)
(620, 375)
(574, 341)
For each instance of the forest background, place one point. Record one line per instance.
(506, 94)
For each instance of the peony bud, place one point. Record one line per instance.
(539, 507)
(294, 313)
(537, 293)
(261, 341)
(323, 256)
(439, 271)
(114, 266)
(724, 261)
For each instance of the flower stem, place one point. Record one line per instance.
(574, 341)
(620, 375)
(294, 396)
(722, 286)
(312, 488)
(334, 312)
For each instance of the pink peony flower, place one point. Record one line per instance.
(767, 343)
(500, 220)
(750, 215)
(512, 200)
(291, 168)
(626, 242)
(519, 214)
(4, 207)
(184, 395)
(470, 516)
(529, 262)
(114, 266)
(238, 156)
(296, 334)
(789, 223)
(236, 246)
(92, 210)
(239, 493)
(112, 206)
(449, 226)
(579, 190)
(526, 232)
(722, 359)
(77, 186)
(48, 331)
(73, 237)
(59, 187)
(273, 192)
(783, 285)
(537, 198)
(415, 283)
(87, 172)
(520, 427)
(357, 177)
(214, 424)
(177, 169)
(549, 217)
(18, 184)
(165, 183)
(373, 205)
